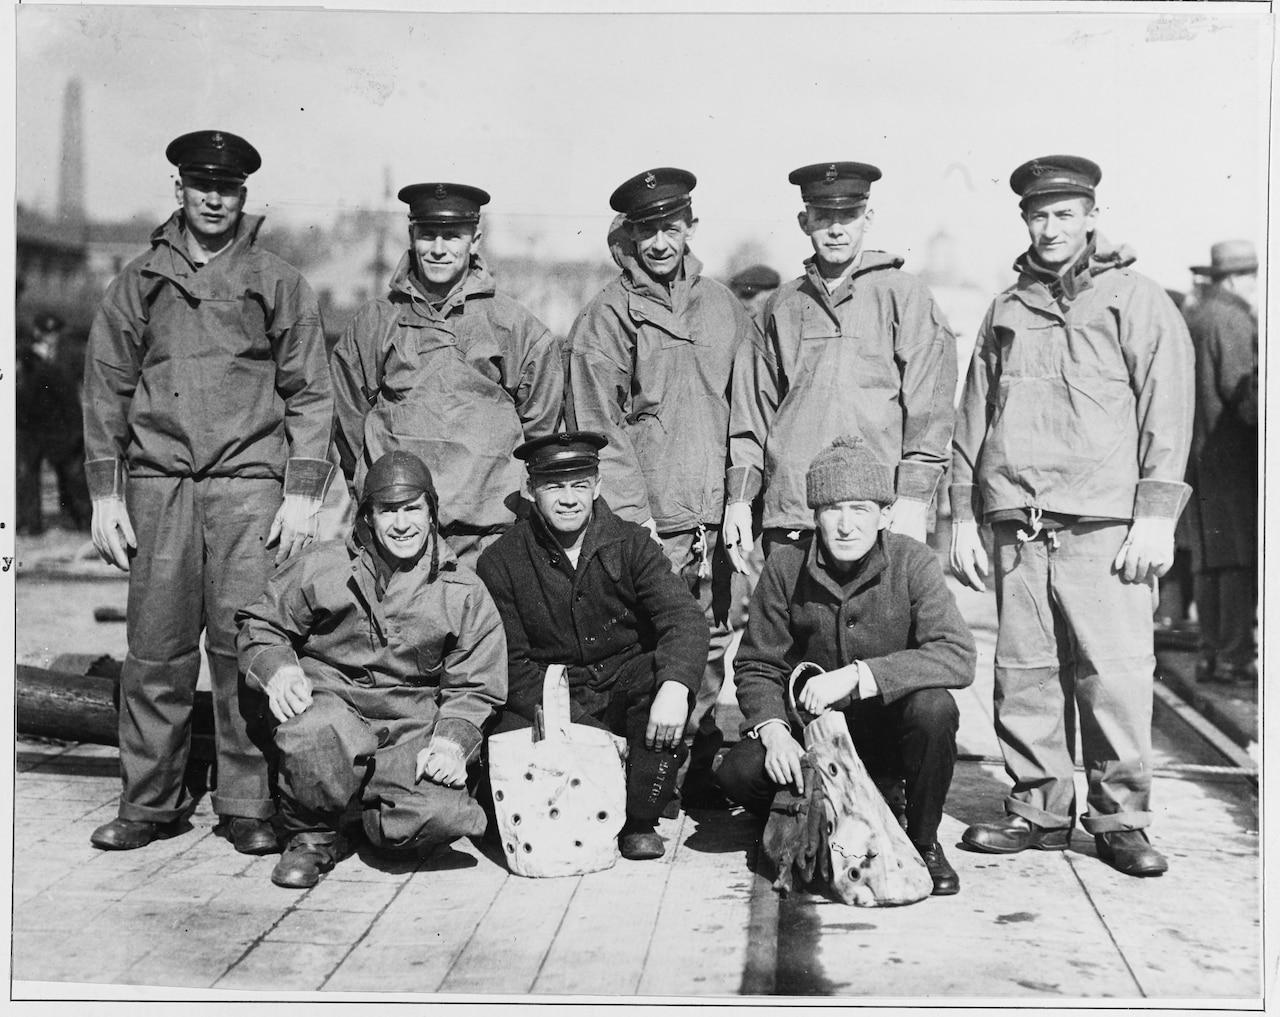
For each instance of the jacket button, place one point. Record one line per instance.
(591, 639)
(850, 622)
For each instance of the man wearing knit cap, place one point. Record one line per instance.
(1071, 443)
(651, 368)
(1223, 512)
(854, 345)
(444, 366)
(381, 660)
(872, 609)
(207, 415)
(578, 586)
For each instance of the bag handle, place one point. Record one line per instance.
(555, 703)
(801, 673)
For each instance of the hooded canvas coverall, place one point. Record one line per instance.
(205, 389)
(875, 358)
(400, 660)
(652, 368)
(1075, 419)
(459, 385)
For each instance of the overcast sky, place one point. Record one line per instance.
(549, 112)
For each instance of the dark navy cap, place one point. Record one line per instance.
(754, 279)
(1055, 174)
(396, 477)
(835, 184)
(443, 203)
(560, 453)
(654, 194)
(215, 153)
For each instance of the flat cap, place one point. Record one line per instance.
(443, 203)
(1229, 257)
(835, 184)
(753, 279)
(396, 477)
(216, 153)
(654, 193)
(1055, 174)
(560, 453)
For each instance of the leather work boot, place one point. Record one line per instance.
(1012, 834)
(639, 842)
(306, 858)
(1130, 852)
(124, 834)
(945, 880)
(251, 836)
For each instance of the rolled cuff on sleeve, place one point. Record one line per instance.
(453, 734)
(308, 478)
(1160, 499)
(742, 483)
(963, 506)
(267, 663)
(105, 478)
(917, 480)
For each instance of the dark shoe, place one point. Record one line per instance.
(701, 791)
(639, 842)
(1130, 852)
(945, 880)
(124, 834)
(251, 836)
(1012, 834)
(306, 858)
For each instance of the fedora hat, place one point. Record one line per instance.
(1229, 257)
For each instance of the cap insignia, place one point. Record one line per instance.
(441, 193)
(831, 174)
(218, 140)
(1037, 170)
(650, 181)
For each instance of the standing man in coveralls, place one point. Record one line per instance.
(206, 397)
(1071, 443)
(651, 368)
(854, 346)
(449, 369)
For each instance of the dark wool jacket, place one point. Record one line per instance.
(622, 601)
(896, 615)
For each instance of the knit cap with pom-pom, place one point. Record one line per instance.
(846, 470)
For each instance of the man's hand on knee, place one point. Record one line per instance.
(288, 692)
(442, 766)
(667, 716)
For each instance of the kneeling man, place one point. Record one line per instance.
(382, 658)
(872, 609)
(576, 585)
